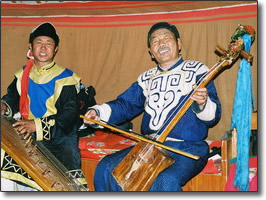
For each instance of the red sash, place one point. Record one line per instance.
(24, 101)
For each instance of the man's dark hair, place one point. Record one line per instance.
(160, 25)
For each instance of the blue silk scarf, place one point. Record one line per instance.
(241, 119)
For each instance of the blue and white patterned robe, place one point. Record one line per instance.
(160, 94)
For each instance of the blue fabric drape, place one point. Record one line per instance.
(241, 119)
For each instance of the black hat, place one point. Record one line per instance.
(44, 29)
(160, 25)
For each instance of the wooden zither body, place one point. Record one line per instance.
(37, 161)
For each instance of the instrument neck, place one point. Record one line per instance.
(205, 79)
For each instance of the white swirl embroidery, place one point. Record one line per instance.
(163, 91)
(164, 94)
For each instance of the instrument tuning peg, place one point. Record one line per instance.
(45, 172)
(33, 150)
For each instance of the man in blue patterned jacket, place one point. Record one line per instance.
(43, 97)
(159, 93)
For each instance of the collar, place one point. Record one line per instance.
(45, 68)
(180, 60)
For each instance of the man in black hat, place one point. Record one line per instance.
(159, 93)
(43, 99)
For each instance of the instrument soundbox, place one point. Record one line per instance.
(145, 166)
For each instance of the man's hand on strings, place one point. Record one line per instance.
(25, 127)
(93, 115)
(200, 96)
